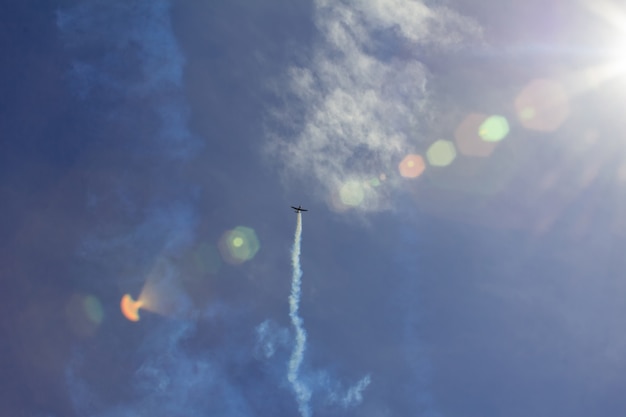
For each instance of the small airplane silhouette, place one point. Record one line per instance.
(298, 209)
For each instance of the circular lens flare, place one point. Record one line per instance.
(494, 129)
(352, 193)
(441, 153)
(469, 136)
(93, 308)
(84, 314)
(542, 105)
(412, 166)
(239, 245)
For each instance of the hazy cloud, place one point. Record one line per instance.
(136, 60)
(170, 380)
(270, 338)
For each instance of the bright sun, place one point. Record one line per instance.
(613, 18)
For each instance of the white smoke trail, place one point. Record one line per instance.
(303, 392)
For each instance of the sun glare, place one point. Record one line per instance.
(609, 13)
(618, 54)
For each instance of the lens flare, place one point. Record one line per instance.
(352, 193)
(130, 308)
(494, 129)
(374, 182)
(84, 314)
(160, 294)
(412, 166)
(469, 139)
(93, 308)
(239, 245)
(441, 153)
(542, 105)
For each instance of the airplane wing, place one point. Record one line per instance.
(295, 208)
(303, 210)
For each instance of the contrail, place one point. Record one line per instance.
(303, 393)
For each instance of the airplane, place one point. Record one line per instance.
(299, 209)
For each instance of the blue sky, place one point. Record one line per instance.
(463, 164)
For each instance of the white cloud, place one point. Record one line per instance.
(363, 103)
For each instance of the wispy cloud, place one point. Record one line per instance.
(363, 101)
(127, 68)
(269, 339)
(170, 380)
(345, 397)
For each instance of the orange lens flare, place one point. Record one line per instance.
(412, 166)
(130, 308)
